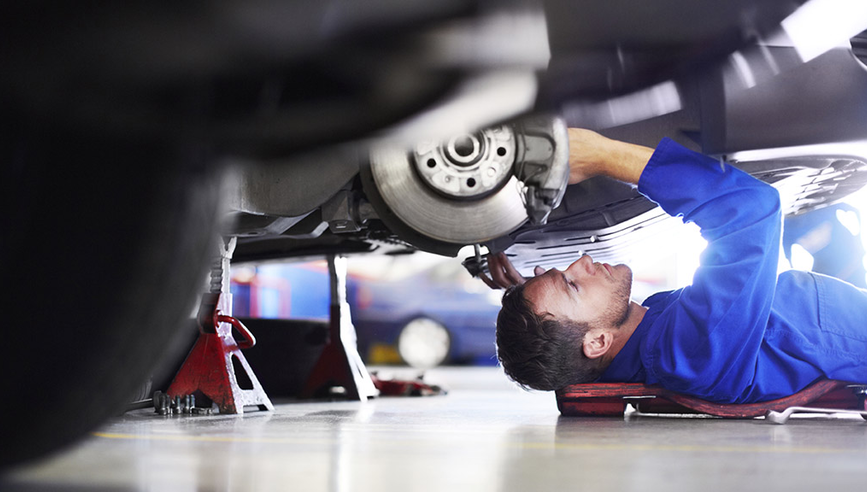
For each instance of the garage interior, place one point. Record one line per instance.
(120, 154)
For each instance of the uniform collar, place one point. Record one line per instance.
(626, 367)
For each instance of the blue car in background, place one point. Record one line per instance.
(428, 317)
(281, 290)
(405, 309)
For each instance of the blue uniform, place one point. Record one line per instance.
(739, 333)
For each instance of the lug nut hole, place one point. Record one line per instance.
(431, 163)
(471, 182)
(501, 151)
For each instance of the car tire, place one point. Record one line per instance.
(105, 246)
(424, 343)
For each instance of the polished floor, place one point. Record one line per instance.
(484, 435)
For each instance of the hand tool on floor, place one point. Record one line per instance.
(406, 387)
(782, 417)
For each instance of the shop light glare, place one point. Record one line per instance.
(820, 25)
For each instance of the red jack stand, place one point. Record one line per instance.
(209, 367)
(339, 365)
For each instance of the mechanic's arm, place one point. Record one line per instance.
(707, 342)
(590, 154)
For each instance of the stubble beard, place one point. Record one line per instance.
(618, 310)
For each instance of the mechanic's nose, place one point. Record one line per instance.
(587, 263)
(583, 265)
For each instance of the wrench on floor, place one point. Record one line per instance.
(782, 417)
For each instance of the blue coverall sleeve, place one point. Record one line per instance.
(708, 341)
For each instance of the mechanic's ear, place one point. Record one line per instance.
(538, 271)
(597, 343)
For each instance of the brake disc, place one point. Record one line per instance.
(475, 187)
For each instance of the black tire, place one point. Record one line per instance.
(105, 245)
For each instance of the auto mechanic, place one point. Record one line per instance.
(740, 333)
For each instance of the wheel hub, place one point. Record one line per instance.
(472, 187)
(467, 166)
(467, 200)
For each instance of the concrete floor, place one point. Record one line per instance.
(484, 435)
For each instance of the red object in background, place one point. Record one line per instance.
(610, 399)
(339, 365)
(405, 387)
(209, 368)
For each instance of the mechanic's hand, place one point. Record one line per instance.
(503, 273)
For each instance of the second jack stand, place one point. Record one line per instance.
(211, 367)
(339, 366)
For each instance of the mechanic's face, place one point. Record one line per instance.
(596, 293)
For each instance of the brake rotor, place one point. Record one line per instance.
(460, 191)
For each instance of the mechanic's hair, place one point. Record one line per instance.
(539, 351)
